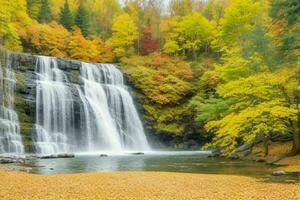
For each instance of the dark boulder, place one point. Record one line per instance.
(243, 147)
(234, 157)
(260, 160)
(138, 153)
(215, 153)
(54, 156)
(66, 156)
(278, 173)
(246, 153)
(272, 162)
(7, 160)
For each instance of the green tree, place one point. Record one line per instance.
(33, 8)
(82, 20)
(286, 39)
(291, 38)
(238, 19)
(292, 8)
(66, 18)
(45, 14)
(258, 42)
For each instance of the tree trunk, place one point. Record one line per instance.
(296, 137)
(296, 133)
(251, 147)
(194, 54)
(266, 145)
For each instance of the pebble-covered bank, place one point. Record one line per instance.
(140, 185)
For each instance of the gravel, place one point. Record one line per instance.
(139, 186)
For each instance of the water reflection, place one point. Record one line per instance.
(196, 163)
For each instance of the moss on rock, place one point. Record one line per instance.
(26, 129)
(20, 79)
(26, 125)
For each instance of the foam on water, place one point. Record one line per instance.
(108, 118)
(10, 138)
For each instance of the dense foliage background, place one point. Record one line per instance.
(219, 71)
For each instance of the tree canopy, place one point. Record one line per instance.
(223, 70)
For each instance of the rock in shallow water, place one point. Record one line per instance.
(234, 157)
(260, 160)
(7, 160)
(278, 173)
(103, 155)
(57, 156)
(214, 155)
(138, 153)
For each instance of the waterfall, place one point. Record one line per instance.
(54, 108)
(10, 138)
(108, 119)
(111, 120)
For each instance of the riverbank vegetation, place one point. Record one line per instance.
(223, 72)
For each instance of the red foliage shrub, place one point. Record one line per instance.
(148, 44)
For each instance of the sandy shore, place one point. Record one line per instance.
(292, 164)
(140, 185)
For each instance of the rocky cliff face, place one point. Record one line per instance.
(24, 67)
(25, 94)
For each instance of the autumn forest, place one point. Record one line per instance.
(218, 73)
(149, 99)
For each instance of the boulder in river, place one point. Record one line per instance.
(7, 160)
(273, 162)
(11, 159)
(260, 160)
(66, 156)
(234, 157)
(214, 155)
(215, 152)
(103, 155)
(278, 173)
(138, 153)
(54, 156)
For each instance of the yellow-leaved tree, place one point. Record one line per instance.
(47, 39)
(124, 35)
(11, 12)
(239, 18)
(188, 35)
(263, 104)
(80, 48)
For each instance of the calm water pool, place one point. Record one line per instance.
(187, 162)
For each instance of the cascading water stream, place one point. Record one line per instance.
(54, 108)
(111, 120)
(10, 138)
(107, 121)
